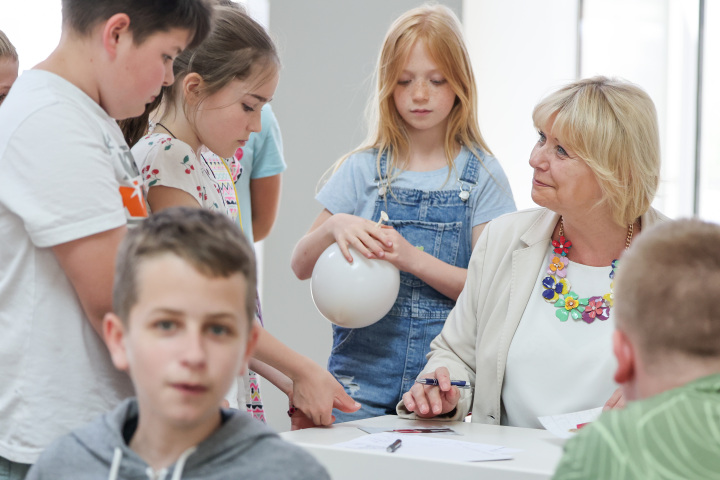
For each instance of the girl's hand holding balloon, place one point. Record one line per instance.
(362, 234)
(404, 255)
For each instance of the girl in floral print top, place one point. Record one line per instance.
(214, 105)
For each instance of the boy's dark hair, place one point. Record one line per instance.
(208, 241)
(146, 16)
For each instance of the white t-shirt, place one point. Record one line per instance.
(65, 174)
(556, 367)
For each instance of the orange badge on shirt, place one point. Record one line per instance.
(134, 200)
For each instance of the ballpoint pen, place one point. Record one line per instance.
(433, 381)
(394, 446)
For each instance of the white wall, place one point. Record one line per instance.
(32, 27)
(521, 51)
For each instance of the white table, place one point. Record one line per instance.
(541, 451)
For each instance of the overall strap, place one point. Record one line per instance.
(471, 172)
(383, 168)
(381, 177)
(469, 178)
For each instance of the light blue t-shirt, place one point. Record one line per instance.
(262, 156)
(352, 188)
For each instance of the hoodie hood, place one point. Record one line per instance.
(108, 452)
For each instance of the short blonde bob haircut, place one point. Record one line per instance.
(440, 29)
(612, 125)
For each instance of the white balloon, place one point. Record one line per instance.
(356, 294)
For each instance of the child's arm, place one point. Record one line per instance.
(314, 390)
(446, 279)
(347, 230)
(265, 199)
(298, 418)
(161, 197)
(273, 375)
(92, 285)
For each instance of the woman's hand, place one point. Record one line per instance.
(316, 393)
(617, 400)
(430, 401)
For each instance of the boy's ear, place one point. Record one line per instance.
(114, 333)
(115, 27)
(252, 340)
(625, 354)
(192, 86)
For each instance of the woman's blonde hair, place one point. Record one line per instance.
(6, 48)
(612, 125)
(237, 48)
(439, 28)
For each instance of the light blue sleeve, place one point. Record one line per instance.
(268, 159)
(348, 189)
(492, 196)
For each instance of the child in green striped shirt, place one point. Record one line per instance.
(667, 343)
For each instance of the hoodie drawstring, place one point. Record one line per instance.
(115, 467)
(180, 465)
(177, 471)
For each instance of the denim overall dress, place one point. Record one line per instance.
(378, 363)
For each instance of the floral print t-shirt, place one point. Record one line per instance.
(167, 161)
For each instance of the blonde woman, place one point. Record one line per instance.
(426, 164)
(532, 329)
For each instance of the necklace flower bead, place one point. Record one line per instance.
(558, 266)
(562, 245)
(596, 308)
(556, 287)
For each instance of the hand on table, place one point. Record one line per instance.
(429, 400)
(317, 392)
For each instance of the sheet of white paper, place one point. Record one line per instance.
(421, 446)
(565, 425)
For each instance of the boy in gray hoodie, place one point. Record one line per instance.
(183, 301)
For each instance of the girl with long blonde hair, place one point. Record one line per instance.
(427, 166)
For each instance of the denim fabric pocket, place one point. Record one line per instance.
(441, 240)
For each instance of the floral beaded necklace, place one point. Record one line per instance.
(557, 286)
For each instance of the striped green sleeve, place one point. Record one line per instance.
(593, 453)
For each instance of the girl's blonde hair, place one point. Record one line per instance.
(6, 48)
(236, 49)
(612, 125)
(439, 28)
